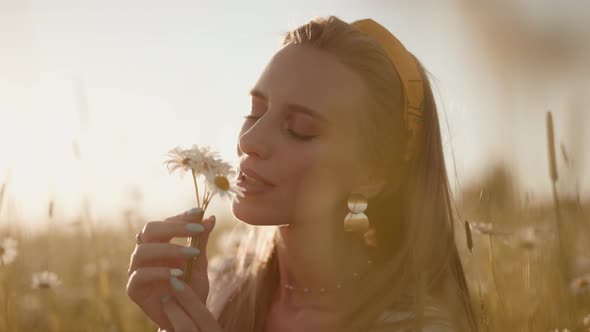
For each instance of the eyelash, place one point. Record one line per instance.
(298, 137)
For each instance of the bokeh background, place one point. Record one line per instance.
(94, 93)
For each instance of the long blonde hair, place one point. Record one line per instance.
(416, 256)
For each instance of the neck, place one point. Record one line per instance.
(316, 257)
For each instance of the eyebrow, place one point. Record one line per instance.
(292, 107)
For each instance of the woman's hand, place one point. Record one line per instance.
(155, 261)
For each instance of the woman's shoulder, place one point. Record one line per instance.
(436, 319)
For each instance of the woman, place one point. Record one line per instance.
(341, 159)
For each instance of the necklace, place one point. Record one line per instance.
(339, 285)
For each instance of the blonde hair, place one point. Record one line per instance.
(416, 256)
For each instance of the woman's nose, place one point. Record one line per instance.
(255, 141)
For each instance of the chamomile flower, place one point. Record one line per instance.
(8, 251)
(45, 280)
(182, 160)
(580, 284)
(222, 186)
(202, 161)
(528, 238)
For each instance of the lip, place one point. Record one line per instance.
(250, 188)
(249, 172)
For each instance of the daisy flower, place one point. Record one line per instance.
(487, 229)
(45, 280)
(528, 238)
(182, 160)
(222, 186)
(581, 284)
(8, 251)
(202, 161)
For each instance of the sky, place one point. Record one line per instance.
(123, 82)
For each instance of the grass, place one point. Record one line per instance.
(527, 263)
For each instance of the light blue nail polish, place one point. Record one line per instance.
(165, 298)
(190, 251)
(176, 284)
(194, 227)
(194, 210)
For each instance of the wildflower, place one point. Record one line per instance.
(487, 229)
(8, 251)
(483, 228)
(45, 280)
(202, 161)
(580, 284)
(528, 238)
(182, 160)
(222, 186)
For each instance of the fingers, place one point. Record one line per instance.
(180, 321)
(192, 215)
(201, 263)
(144, 276)
(164, 231)
(193, 306)
(176, 226)
(148, 254)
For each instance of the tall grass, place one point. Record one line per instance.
(527, 261)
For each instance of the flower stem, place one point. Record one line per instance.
(196, 187)
(194, 241)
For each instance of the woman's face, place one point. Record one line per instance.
(300, 138)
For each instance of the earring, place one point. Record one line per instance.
(356, 220)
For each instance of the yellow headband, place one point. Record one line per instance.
(408, 71)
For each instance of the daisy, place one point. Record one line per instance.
(528, 238)
(222, 186)
(202, 161)
(487, 229)
(220, 167)
(182, 160)
(581, 284)
(45, 280)
(8, 251)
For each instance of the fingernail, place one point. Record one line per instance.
(194, 227)
(194, 210)
(210, 222)
(165, 298)
(190, 251)
(176, 272)
(176, 284)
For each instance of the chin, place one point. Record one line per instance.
(254, 214)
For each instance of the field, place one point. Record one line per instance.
(527, 263)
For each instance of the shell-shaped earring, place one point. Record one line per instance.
(356, 221)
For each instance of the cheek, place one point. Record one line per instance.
(318, 190)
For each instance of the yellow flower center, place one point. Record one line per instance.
(583, 283)
(222, 183)
(2, 251)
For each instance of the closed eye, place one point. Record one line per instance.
(293, 133)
